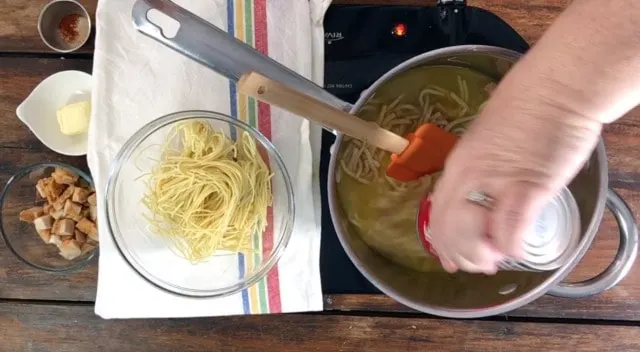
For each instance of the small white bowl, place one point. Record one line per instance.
(38, 111)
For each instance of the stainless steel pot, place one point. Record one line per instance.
(462, 296)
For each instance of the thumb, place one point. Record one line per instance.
(516, 210)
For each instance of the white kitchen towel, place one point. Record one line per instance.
(137, 80)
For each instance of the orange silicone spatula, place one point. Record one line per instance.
(422, 152)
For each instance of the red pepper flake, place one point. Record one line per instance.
(68, 28)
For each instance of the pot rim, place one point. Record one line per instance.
(515, 303)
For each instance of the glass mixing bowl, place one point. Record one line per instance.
(151, 256)
(21, 237)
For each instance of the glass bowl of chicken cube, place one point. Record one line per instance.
(49, 217)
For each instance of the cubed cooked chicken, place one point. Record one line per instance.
(70, 249)
(28, 215)
(93, 213)
(80, 236)
(45, 235)
(64, 176)
(64, 227)
(88, 227)
(44, 222)
(92, 200)
(41, 188)
(68, 217)
(56, 188)
(58, 204)
(55, 239)
(49, 189)
(72, 208)
(57, 214)
(80, 195)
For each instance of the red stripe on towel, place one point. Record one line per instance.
(264, 123)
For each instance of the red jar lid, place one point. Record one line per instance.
(423, 225)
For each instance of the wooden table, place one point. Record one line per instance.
(43, 312)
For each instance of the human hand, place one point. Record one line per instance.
(518, 152)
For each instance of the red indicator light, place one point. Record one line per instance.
(399, 30)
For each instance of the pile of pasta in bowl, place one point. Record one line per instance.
(200, 204)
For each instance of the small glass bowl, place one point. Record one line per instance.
(151, 256)
(22, 238)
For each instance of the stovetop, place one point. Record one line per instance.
(361, 44)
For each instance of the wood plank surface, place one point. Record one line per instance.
(74, 328)
(529, 18)
(30, 325)
(19, 26)
(20, 148)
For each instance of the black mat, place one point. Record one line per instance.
(360, 46)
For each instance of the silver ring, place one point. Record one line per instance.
(481, 199)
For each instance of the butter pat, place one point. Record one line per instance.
(74, 118)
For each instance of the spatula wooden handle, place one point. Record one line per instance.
(275, 93)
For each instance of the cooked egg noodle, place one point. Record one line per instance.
(362, 161)
(207, 193)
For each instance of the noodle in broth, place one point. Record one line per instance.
(381, 210)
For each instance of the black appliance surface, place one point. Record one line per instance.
(362, 43)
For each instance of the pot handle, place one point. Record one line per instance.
(622, 263)
(214, 48)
